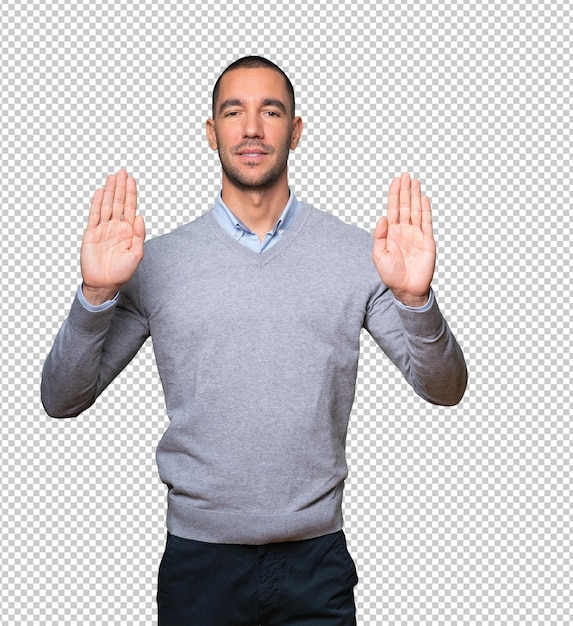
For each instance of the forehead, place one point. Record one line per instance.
(253, 84)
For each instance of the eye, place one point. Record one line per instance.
(273, 113)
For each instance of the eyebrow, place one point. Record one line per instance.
(266, 102)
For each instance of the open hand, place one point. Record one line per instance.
(112, 246)
(404, 248)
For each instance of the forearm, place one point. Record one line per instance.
(90, 349)
(72, 369)
(434, 365)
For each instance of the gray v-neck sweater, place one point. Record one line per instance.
(258, 357)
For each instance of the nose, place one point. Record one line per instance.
(253, 125)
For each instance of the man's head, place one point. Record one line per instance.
(253, 125)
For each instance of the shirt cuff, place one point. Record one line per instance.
(92, 308)
(418, 309)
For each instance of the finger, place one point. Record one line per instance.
(427, 217)
(393, 207)
(381, 230)
(119, 195)
(108, 193)
(416, 203)
(95, 209)
(380, 239)
(130, 207)
(405, 199)
(138, 234)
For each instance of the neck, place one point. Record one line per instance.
(259, 210)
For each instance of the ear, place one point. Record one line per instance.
(211, 136)
(296, 132)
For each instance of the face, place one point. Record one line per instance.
(253, 128)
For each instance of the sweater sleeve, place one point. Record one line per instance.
(421, 345)
(89, 351)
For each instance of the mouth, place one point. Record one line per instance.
(252, 152)
(250, 157)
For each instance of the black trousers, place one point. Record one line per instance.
(299, 583)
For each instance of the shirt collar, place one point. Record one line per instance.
(230, 222)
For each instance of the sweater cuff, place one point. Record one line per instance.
(418, 309)
(425, 321)
(92, 308)
(88, 319)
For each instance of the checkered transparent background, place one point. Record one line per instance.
(454, 515)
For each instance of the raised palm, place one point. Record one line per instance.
(112, 246)
(404, 248)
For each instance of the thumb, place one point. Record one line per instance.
(381, 231)
(138, 233)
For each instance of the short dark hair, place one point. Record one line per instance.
(251, 62)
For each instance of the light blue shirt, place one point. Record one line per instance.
(231, 224)
(242, 233)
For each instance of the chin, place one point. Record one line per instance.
(261, 182)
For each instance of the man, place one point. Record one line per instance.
(255, 310)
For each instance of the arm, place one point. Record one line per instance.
(91, 348)
(89, 351)
(419, 341)
(421, 345)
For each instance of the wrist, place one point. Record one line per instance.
(412, 301)
(97, 296)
